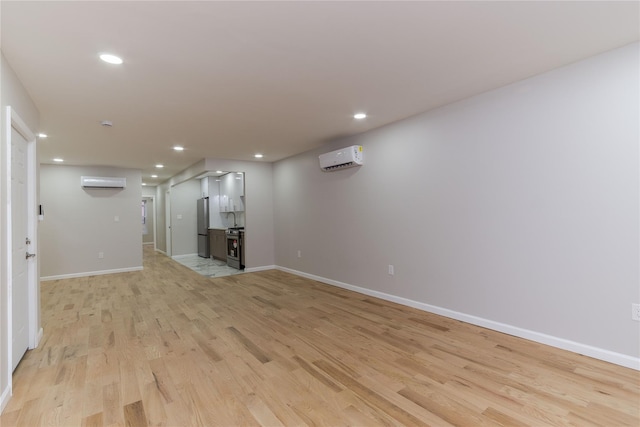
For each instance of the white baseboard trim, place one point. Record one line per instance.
(148, 243)
(161, 251)
(564, 344)
(4, 397)
(183, 256)
(261, 268)
(90, 273)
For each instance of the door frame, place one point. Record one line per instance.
(153, 213)
(167, 222)
(14, 121)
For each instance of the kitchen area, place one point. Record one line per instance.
(251, 202)
(220, 225)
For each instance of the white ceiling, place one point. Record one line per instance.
(230, 79)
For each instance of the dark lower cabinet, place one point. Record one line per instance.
(218, 244)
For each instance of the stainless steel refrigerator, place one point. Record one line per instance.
(203, 227)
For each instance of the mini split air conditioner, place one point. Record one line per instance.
(103, 182)
(341, 159)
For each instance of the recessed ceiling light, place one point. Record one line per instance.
(58, 159)
(106, 123)
(218, 171)
(178, 148)
(159, 165)
(111, 59)
(144, 183)
(258, 156)
(359, 116)
(42, 135)
(154, 176)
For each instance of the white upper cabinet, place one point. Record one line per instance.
(232, 192)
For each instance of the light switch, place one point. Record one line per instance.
(179, 216)
(116, 218)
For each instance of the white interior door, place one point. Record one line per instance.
(167, 220)
(19, 247)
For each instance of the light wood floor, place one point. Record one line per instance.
(166, 346)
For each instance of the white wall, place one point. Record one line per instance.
(79, 223)
(13, 94)
(184, 229)
(148, 191)
(516, 209)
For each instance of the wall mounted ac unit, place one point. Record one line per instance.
(103, 182)
(341, 159)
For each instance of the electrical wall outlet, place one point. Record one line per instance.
(391, 270)
(100, 255)
(635, 312)
(299, 254)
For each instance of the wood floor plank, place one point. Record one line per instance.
(134, 415)
(10, 418)
(261, 412)
(165, 346)
(154, 403)
(112, 404)
(31, 413)
(369, 395)
(94, 420)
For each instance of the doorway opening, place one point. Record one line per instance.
(148, 219)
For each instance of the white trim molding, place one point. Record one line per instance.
(561, 343)
(261, 268)
(90, 273)
(5, 396)
(183, 256)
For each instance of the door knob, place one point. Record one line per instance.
(30, 255)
